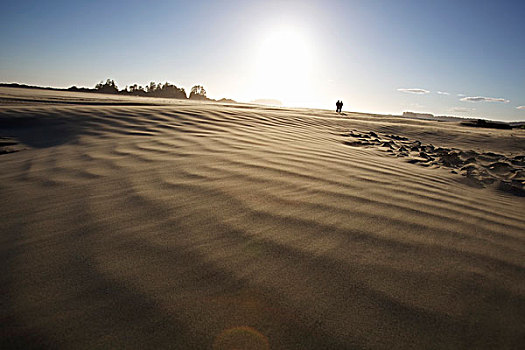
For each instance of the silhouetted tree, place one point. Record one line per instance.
(169, 91)
(153, 89)
(109, 87)
(133, 89)
(198, 93)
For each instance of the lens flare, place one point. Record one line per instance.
(241, 338)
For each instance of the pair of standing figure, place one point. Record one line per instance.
(339, 106)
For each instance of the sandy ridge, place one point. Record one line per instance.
(164, 226)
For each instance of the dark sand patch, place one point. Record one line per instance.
(481, 169)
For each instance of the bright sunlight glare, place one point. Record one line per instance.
(284, 67)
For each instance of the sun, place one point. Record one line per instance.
(284, 66)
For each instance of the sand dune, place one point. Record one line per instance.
(185, 225)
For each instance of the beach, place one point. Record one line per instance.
(150, 223)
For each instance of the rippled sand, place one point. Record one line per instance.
(186, 225)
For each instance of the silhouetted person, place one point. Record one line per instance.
(339, 106)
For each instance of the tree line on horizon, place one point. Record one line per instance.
(165, 90)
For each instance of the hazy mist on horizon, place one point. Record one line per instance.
(463, 58)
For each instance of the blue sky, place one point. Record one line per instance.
(377, 56)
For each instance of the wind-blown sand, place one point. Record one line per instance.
(142, 223)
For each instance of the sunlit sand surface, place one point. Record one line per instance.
(144, 223)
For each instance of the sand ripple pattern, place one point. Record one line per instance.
(179, 226)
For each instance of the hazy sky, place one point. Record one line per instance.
(464, 58)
